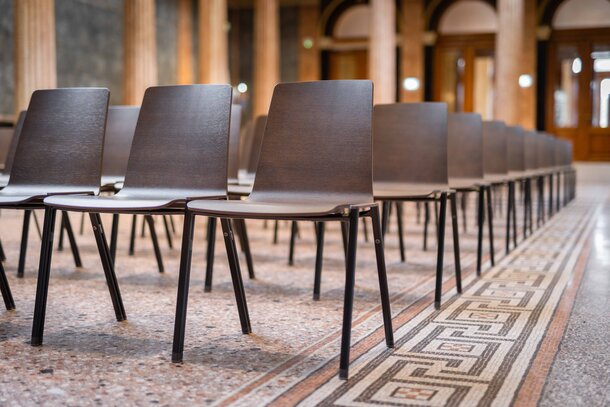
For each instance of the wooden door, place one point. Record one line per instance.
(352, 64)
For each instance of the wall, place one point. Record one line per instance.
(6, 59)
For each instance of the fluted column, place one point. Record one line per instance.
(266, 53)
(213, 42)
(184, 42)
(527, 95)
(509, 49)
(35, 54)
(139, 50)
(382, 50)
(309, 54)
(412, 52)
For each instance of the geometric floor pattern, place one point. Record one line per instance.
(486, 346)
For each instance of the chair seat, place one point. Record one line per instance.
(15, 195)
(257, 209)
(4, 180)
(466, 183)
(403, 190)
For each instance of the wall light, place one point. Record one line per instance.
(410, 84)
(526, 81)
(308, 43)
(576, 65)
(242, 87)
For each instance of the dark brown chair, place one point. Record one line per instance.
(313, 129)
(465, 166)
(234, 142)
(179, 152)
(410, 164)
(59, 149)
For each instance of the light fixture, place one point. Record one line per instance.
(525, 81)
(308, 43)
(242, 87)
(576, 65)
(410, 84)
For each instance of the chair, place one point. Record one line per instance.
(179, 151)
(465, 167)
(59, 151)
(410, 164)
(517, 174)
(313, 129)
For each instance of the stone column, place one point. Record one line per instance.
(213, 42)
(509, 54)
(309, 54)
(35, 55)
(266, 53)
(412, 52)
(527, 95)
(139, 50)
(184, 43)
(382, 50)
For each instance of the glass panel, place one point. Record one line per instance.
(452, 91)
(484, 86)
(566, 87)
(600, 86)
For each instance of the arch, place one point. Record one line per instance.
(436, 8)
(468, 17)
(571, 14)
(353, 23)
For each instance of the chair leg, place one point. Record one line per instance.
(530, 206)
(153, 236)
(183, 285)
(385, 217)
(5, 289)
(2, 254)
(81, 230)
(480, 217)
(238, 286)
(37, 224)
(383, 279)
(426, 222)
(317, 282)
(108, 265)
(344, 235)
(464, 206)
(132, 236)
(456, 243)
(348, 302)
(168, 233)
(114, 234)
(490, 226)
(417, 213)
(514, 199)
(293, 236)
(440, 251)
(509, 210)
(401, 241)
(44, 271)
(245, 244)
(68, 228)
(275, 231)
(525, 208)
(210, 254)
(143, 231)
(24, 243)
(365, 229)
(551, 200)
(171, 223)
(60, 243)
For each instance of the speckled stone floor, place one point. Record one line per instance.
(90, 359)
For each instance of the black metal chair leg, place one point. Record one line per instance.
(108, 265)
(480, 218)
(514, 198)
(426, 222)
(385, 217)
(143, 231)
(317, 282)
(551, 200)
(464, 206)
(509, 210)
(153, 236)
(490, 227)
(525, 208)
(245, 244)
(365, 229)
(70, 232)
(401, 241)
(238, 286)
(211, 235)
(348, 302)
(114, 234)
(183, 285)
(24, 243)
(2, 254)
(417, 213)
(37, 224)
(293, 236)
(132, 236)
(558, 188)
(81, 230)
(171, 223)
(44, 271)
(440, 251)
(456, 243)
(5, 289)
(168, 233)
(530, 207)
(383, 279)
(276, 227)
(344, 235)
(60, 243)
